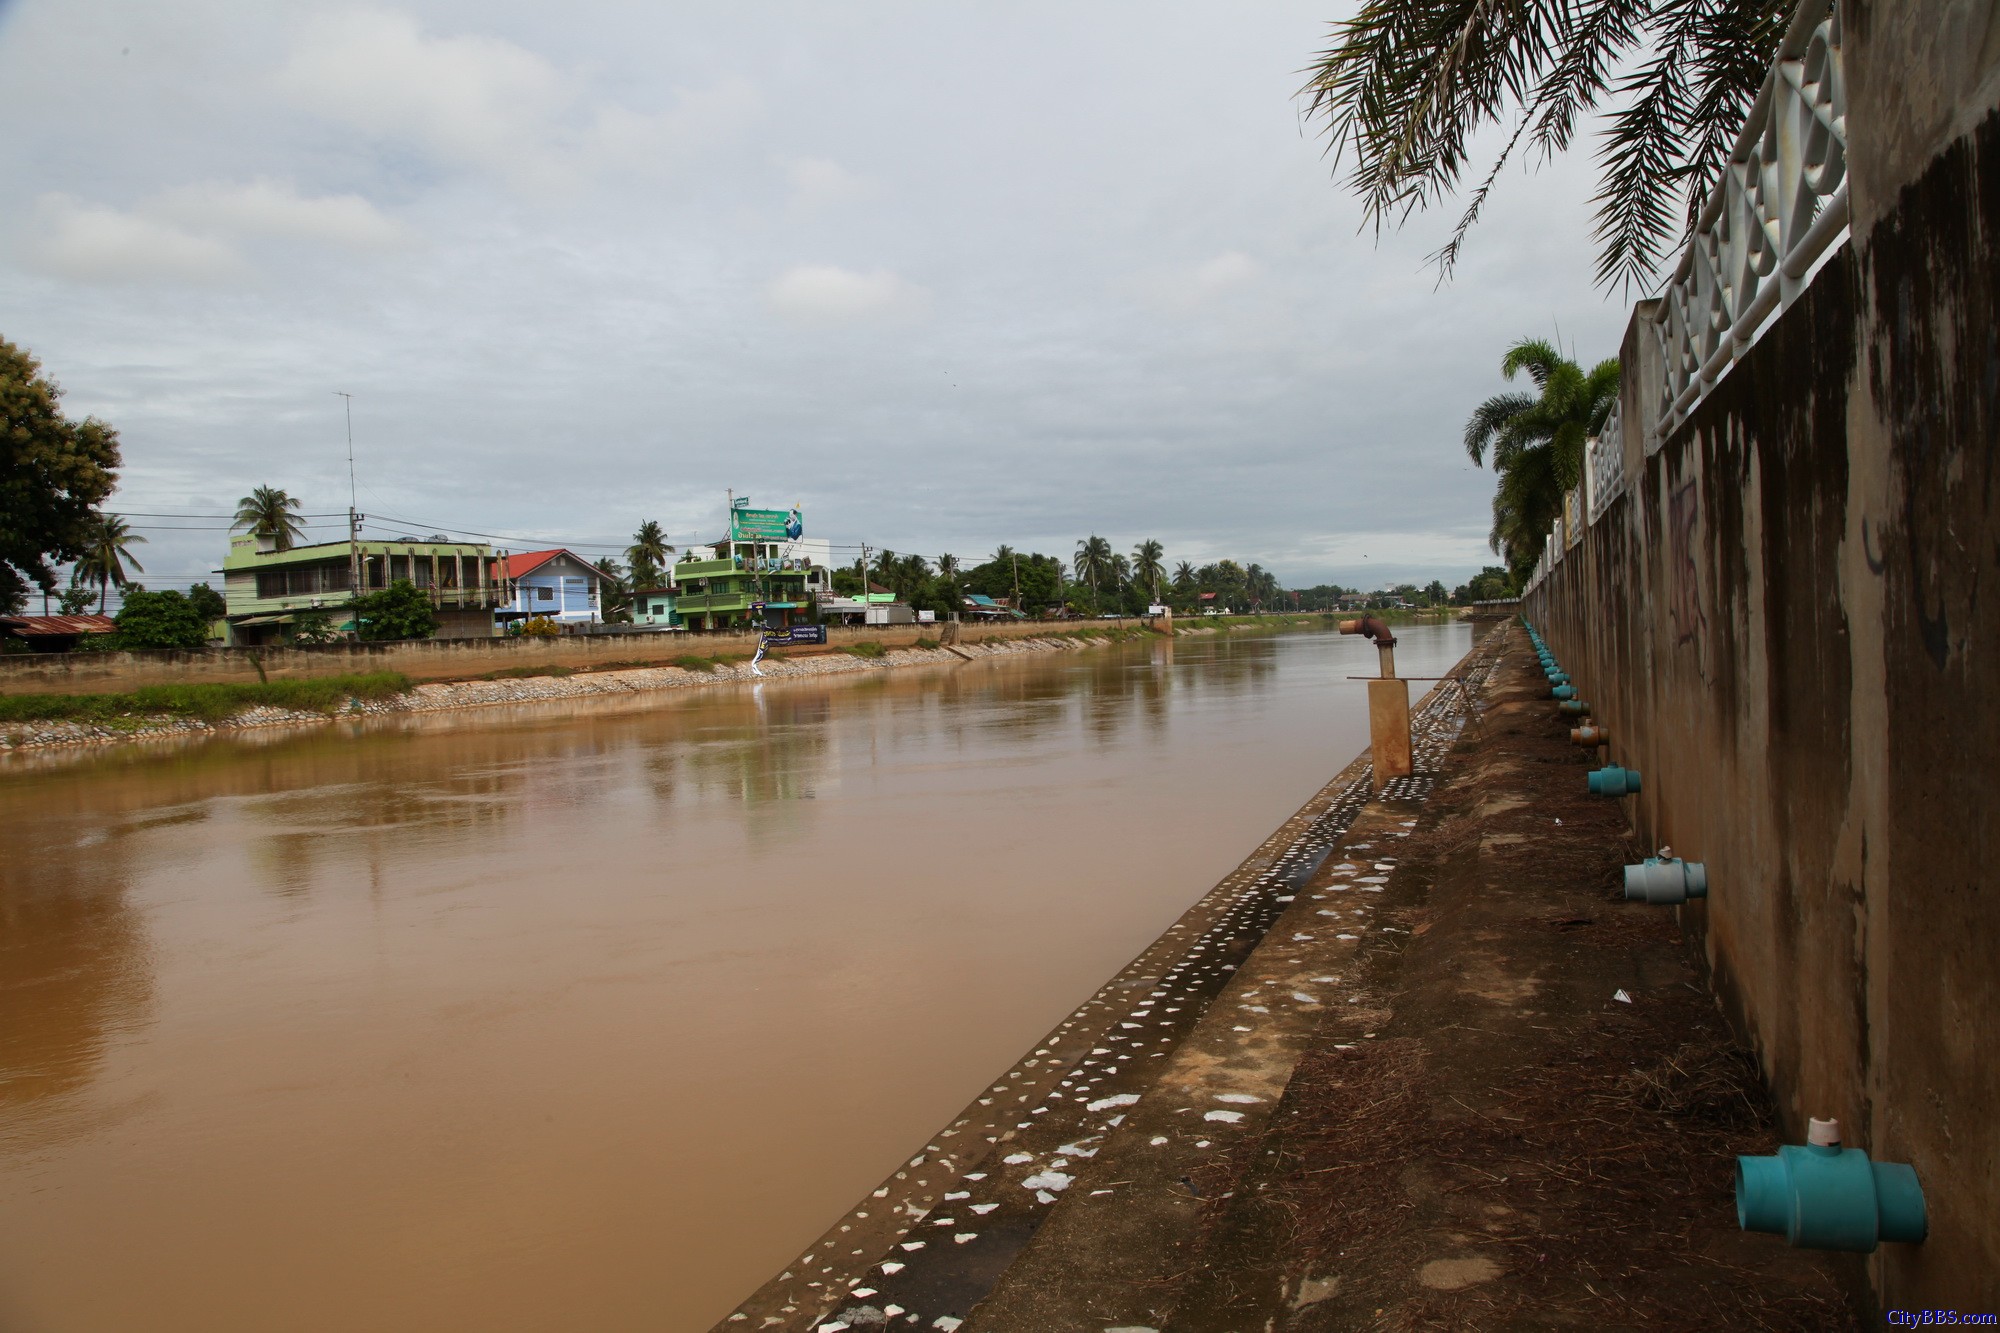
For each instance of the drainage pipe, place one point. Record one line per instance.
(1825, 1197)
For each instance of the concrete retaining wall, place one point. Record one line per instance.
(1779, 622)
(442, 659)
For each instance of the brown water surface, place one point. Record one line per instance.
(588, 1014)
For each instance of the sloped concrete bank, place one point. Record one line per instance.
(1381, 1076)
(440, 695)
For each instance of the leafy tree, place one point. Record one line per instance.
(311, 628)
(208, 601)
(1149, 569)
(399, 611)
(1408, 84)
(1434, 594)
(160, 620)
(104, 558)
(53, 474)
(267, 512)
(616, 594)
(75, 601)
(648, 554)
(1538, 442)
(1491, 584)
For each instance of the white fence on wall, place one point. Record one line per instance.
(1778, 210)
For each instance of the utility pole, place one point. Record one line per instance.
(1015, 556)
(353, 520)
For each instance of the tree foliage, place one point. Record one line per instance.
(1407, 84)
(105, 557)
(269, 513)
(648, 554)
(1537, 442)
(165, 619)
(208, 602)
(399, 611)
(54, 472)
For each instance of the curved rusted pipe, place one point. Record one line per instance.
(1373, 627)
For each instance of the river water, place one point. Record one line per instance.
(586, 1014)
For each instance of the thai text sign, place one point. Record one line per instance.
(765, 525)
(797, 634)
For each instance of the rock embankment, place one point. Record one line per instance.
(441, 695)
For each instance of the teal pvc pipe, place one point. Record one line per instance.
(1563, 691)
(1830, 1198)
(1611, 780)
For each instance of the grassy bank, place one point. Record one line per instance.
(209, 703)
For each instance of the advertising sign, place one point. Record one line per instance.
(796, 634)
(765, 525)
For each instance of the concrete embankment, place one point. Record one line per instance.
(1414, 1064)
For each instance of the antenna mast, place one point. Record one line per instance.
(353, 517)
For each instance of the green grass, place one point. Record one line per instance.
(927, 643)
(867, 648)
(689, 662)
(526, 672)
(210, 703)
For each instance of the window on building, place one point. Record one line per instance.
(544, 593)
(399, 567)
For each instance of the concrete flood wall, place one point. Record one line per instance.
(448, 659)
(1780, 622)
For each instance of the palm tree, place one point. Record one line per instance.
(615, 595)
(105, 559)
(1408, 85)
(1093, 561)
(947, 566)
(1538, 442)
(1149, 566)
(1002, 555)
(648, 554)
(1184, 575)
(267, 513)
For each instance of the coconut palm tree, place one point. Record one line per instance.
(105, 560)
(648, 554)
(1184, 575)
(1409, 85)
(267, 513)
(947, 566)
(1093, 561)
(1538, 440)
(1149, 566)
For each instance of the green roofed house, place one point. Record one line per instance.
(265, 589)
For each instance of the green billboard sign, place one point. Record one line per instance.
(765, 525)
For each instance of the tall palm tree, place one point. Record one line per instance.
(1184, 575)
(648, 554)
(1092, 561)
(1538, 442)
(1149, 566)
(947, 566)
(1002, 555)
(105, 560)
(1409, 85)
(267, 512)
(615, 595)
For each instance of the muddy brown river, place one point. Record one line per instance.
(586, 1015)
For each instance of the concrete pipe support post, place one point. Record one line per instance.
(1821, 1196)
(1665, 880)
(1388, 705)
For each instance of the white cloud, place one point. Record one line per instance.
(485, 103)
(92, 243)
(275, 209)
(819, 182)
(823, 294)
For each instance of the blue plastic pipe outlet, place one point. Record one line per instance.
(1558, 678)
(1611, 780)
(1563, 691)
(1824, 1197)
(1665, 879)
(1574, 708)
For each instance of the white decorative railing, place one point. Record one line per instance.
(1780, 206)
(1604, 462)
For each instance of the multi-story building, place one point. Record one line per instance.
(266, 589)
(717, 593)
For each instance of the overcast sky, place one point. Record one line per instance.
(948, 275)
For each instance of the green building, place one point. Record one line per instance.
(265, 589)
(718, 593)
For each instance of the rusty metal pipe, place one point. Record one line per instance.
(1371, 626)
